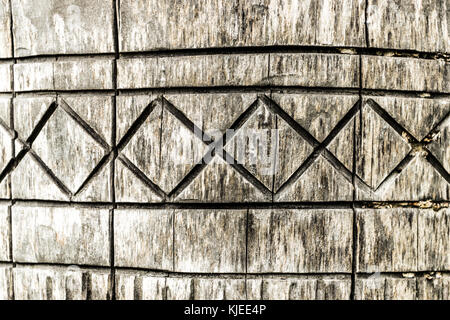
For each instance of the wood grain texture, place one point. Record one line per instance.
(387, 240)
(62, 27)
(59, 283)
(314, 70)
(220, 182)
(379, 287)
(61, 141)
(237, 23)
(5, 29)
(304, 288)
(193, 71)
(75, 74)
(199, 240)
(6, 282)
(6, 76)
(410, 74)
(5, 234)
(213, 113)
(434, 243)
(61, 235)
(388, 156)
(143, 238)
(413, 25)
(33, 182)
(299, 241)
(150, 286)
(28, 111)
(434, 288)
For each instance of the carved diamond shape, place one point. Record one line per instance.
(69, 152)
(268, 147)
(164, 149)
(381, 149)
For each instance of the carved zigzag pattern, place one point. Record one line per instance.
(107, 152)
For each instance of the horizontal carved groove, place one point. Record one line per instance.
(246, 49)
(169, 273)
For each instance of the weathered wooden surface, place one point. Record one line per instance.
(62, 27)
(195, 71)
(199, 245)
(387, 240)
(6, 76)
(432, 286)
(5, 234)
(402, 240)
(144, 238)
(394, 73)
(434, 240)
(147, 286)
(305, 288)
(314, 70)
(388, 157)
(61, 283)
(414, 25)
(150, 26)
(5, 27)
(80, 74)
(6, 282)
(61, 235)
(334, 184)
(299, 241)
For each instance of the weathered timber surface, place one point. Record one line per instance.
(304, 69)
(144, 238)
(5, 233)
(293, 241)
(62, 27)
(5, 76)
(399, 136)
(404, 73)
(61, 283)
(405, 287)
(179, 25)
(210, 241)
(80, 74)
(414, 25)
(61, 235)
(143, 286)
(5, 27)
(402, 240)
(224, 149)
(6, 282)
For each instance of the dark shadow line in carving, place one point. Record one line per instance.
(428, 139)
(396, 171)
(437, 166)
(50, 174)
(276, 109)
(401, 131)
(141, 176)
(297, 173)
(212, 150)
(137, 124)
(83, 124)
(191, 126)
(187, 180)
(95, 172)
(41, 123)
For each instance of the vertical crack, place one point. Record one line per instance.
(366, 28)
(13, 151)
(356, 144)
(116, 12)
